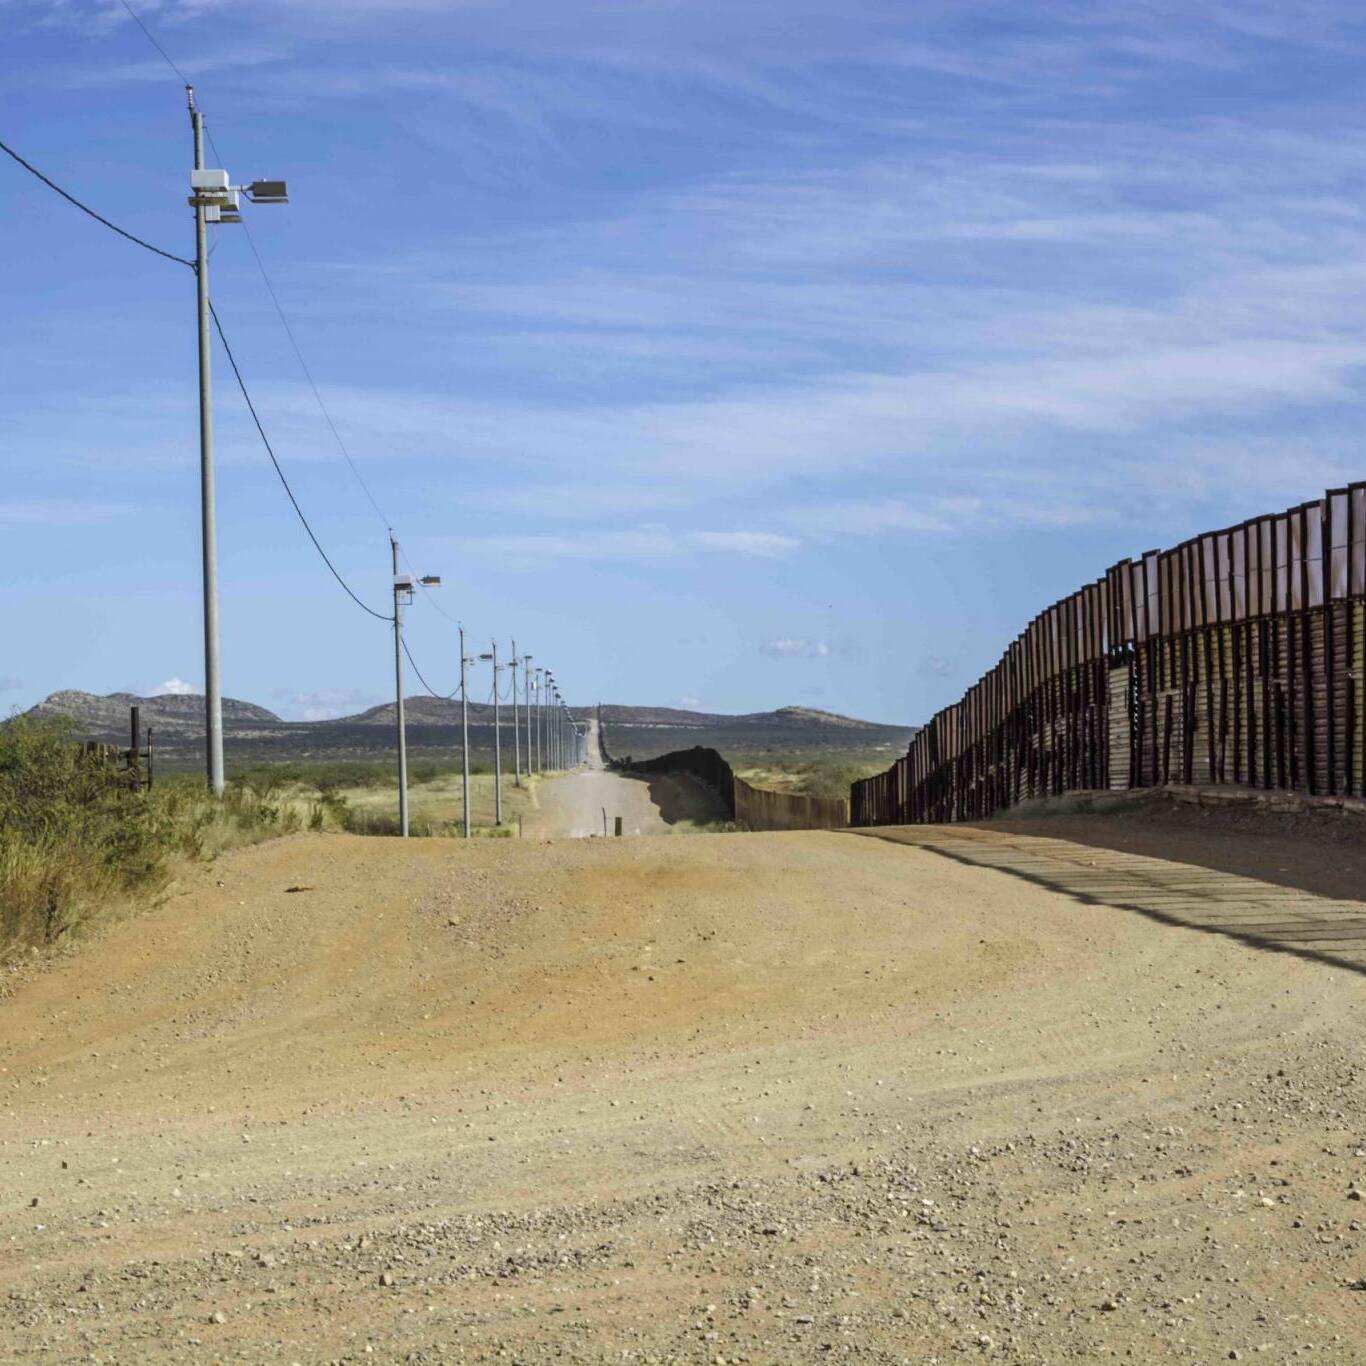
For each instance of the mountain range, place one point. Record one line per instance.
(254, 734)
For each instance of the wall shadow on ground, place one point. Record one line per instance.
(682, 798)
(1259, 914)
(1316, 850)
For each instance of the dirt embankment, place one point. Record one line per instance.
(767, 1098)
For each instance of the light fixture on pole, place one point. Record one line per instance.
(214, 200)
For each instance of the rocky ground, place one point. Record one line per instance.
(985, 1095)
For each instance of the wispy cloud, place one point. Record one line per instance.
(647, 544)
(788, 648)
(936, 666)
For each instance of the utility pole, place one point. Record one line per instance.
(465, 731)
(214, 200)
(497, 746)
(398, 694)
(536, 706)
(542, 737)
(516, 731)
(213, 690)
(403, 592)
(526, 710)
(497, 740)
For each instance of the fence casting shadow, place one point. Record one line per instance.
(1259, 914)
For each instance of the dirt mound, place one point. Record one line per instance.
(765, 1098)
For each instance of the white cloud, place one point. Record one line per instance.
(762, 543)
(691, 703)
(936, 666)
(175, 687)
(648, 543)
(795, 649)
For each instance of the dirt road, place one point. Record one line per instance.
(768, 1098)
(587, 801)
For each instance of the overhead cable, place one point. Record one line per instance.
(133, 14)
(85, 208)
(265, 441)
(431, 691)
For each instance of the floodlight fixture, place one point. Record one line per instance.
(267, 192)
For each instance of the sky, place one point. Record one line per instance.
(726, 353)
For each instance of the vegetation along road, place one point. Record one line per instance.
(980, 1094)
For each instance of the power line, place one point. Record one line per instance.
(270, 288)
(85, 208)
(133, 14)
(308, 374)
(265, 441)
(431, 691)
(303, 364)
(294, 344)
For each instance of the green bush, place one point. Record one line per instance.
(75, 835)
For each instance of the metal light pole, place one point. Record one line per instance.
(403, 592)
(497, 741)
(526, 709)
(465, 661)
(542, 734)
(536, 707)
(214, 200)
(400, 587)
(213, 691)
(516, 731)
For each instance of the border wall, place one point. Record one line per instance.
(754, 807)
(1234, 658)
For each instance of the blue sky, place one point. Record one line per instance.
(730, 353)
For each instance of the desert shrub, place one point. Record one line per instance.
(74, 835)
(830, 777)
(70, 831)
(360, 821)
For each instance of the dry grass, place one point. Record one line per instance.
(76, 840)
(436, 807)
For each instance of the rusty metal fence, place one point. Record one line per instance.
(1234, 658)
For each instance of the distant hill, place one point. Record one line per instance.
(782, 719)
(254, 734)
(106, 718)
(432, 711)
(644, 732)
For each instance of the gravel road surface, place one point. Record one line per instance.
(768, 1098)
(587, 801)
